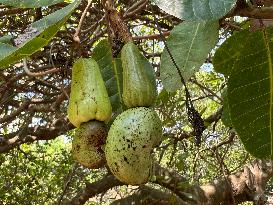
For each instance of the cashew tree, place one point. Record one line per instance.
(136, 102)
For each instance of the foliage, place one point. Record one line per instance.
(35, 36)
(227, 66)
(197, 10)
(29, 4)
(31, 173)
(190, 43)
(250, 85)
(111, 72)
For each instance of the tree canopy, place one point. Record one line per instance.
(214, 77)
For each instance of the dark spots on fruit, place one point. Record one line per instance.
(133, 139)
(125, 159)
(100, 149)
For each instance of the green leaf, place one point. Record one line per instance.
(196, 9)
(111, 71)
(226, 118)
(229, 51)
(250, 88)
(38, 35)
(6, 49)
(189, 43)
(6, 39)
(29, 3)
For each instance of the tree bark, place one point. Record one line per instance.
(146, 195)
(245, 185)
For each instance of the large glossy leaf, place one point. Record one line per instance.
(189, 43)
(29, 3)
(229, 52)
(196, 9)
(42, 32)
(250, 87)
(111, 70)
(226, 118)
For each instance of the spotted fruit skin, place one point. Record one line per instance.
(86, 145)
(139, 84)
(88, 98)
(131, 139)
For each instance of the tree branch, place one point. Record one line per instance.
(245, 10)
(32, 134)
(92, 189)
(257, 13)
(146, 195)
(247, 185)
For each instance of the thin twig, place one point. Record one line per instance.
(138, 6)
(32, 74)
(151, 37)
(76, 37)
(228, 141)
(225, 174)
(207, 89)
(194, 116)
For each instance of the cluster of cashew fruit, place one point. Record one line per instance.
(134, 133)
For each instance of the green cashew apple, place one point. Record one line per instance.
(88, 98)
(139, 84)
(130, 142)
(86, 145)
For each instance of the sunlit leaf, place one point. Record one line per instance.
(37, 36)
(196, 9)
(190, 44)
(29, 3)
